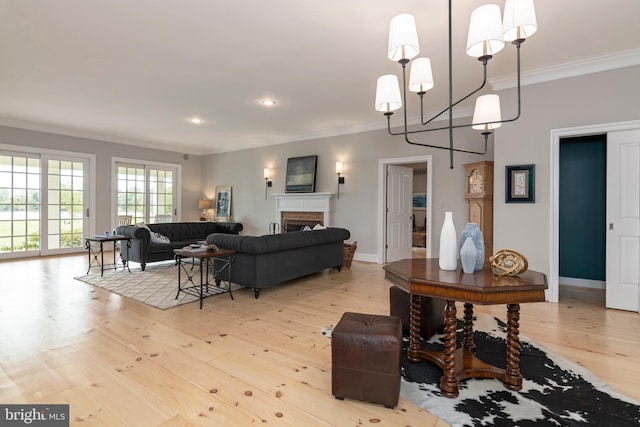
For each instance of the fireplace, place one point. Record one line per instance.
(296, 210)
(295, 221)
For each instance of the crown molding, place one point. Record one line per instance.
(571, 69)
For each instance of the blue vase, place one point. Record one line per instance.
(472, 230)
(468, 256)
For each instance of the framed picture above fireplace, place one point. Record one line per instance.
(301, 174)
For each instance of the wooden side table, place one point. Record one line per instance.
(95, 251)
(206, 262)
(423, 277)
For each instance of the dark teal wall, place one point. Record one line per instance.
(583, 179)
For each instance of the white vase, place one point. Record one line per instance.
(468, 256)
(448, 244)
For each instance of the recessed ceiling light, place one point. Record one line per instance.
(268, 102)
(196, 120)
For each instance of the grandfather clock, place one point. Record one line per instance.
(479, 193)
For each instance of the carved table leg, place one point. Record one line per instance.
(512, 375)
(413, 354)
(468, 328)
(449, 383)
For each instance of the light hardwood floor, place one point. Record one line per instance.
(243, 362)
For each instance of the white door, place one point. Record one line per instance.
(623, 220)
(399, 211)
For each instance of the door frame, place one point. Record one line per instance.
(382, 200)
(552, 293)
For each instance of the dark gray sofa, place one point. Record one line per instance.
(261, 262)
(180, 234)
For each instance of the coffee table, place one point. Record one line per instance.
(423, 277)
(208, 262)
(93, 251)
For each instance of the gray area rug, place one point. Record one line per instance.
(555, 391)
(156, 286)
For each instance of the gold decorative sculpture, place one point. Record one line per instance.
(507, 262)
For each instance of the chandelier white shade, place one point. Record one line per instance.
(403, 38)
(519, 20)
(485, 31)
(420, 77)
(487, 110)
(388, 93)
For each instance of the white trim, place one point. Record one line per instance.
(583, 283)
(571, 69)
(554, 190)
(177, 198)
(365, 257)
(304, 202)
(382, 196)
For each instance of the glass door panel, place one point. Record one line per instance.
(19, 204)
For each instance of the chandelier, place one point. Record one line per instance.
(488, 32)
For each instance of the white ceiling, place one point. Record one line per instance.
(134, 71)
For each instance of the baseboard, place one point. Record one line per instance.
(584, 283)
(365, 257)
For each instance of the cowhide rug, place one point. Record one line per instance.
(555, 391)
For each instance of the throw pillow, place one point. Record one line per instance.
(319, 227)
(306, 228)
(143, 225)
(159, 238)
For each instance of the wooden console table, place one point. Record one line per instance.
(423, 277)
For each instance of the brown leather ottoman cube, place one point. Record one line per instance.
(431, 317)
(365, 358)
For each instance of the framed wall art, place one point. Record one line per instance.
(301, 174)
(419, 201)
(520, 184)
(223, 203)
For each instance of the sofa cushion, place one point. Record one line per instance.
(278, 242)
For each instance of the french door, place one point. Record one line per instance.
(65, 197)
(42, 203)
(146, 192)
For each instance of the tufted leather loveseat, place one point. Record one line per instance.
(180, 234)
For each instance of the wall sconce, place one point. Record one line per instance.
(340, 178)
(204, 204)
(267, 183)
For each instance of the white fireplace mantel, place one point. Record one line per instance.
(304, 202)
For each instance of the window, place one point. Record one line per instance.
(146, 192)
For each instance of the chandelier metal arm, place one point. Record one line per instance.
(421, 94)
(486, 137)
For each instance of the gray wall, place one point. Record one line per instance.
(599, 98)
(357, 208)
(104, 152)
